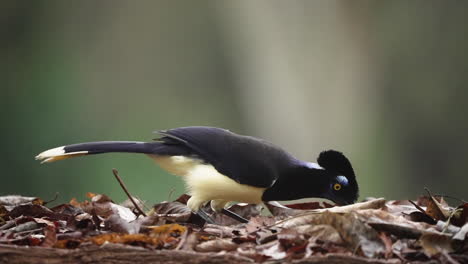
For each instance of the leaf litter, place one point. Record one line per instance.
(427, 229)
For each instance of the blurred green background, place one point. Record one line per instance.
(383, 81)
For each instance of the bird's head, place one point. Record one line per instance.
(332, 178)
(340, 181)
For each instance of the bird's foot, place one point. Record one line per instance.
(234, 216)
(208, 219)
(205, 216)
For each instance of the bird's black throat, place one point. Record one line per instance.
(297, 183)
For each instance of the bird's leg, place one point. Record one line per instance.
(195, 204)
(205, 216)
(218, 206)
(234, 216)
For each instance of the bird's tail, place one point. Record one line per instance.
(75, 150)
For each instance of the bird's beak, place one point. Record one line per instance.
(334, 198)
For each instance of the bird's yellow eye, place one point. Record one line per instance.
(337, 186)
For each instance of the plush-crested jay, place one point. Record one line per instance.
(220, 166)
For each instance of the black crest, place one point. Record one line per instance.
(336, 161)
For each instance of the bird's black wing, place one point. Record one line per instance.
(247, 160)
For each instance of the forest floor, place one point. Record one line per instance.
(98, 230)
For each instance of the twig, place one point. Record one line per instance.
(447, 224)
(116, 174)
(418, 207)
(53, 199)
(428, 191)
(183, 239)
(450, 197)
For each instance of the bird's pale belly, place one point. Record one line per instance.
(205, 183)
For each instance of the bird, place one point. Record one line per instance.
(219, 166)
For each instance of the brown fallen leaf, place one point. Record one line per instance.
(445, 227)
(67, 209)
(398, 230)
(133, 239)
(272, 250)
(36, 211)
(224, 231)
(170, 208)
(258, 222)
(397, 207)
(3, 213)
(14, 200)
(216, 245)
(167, 234)
(381, 216)
(117, 224)
(310, 205)
(123, 212)
(102, 206)
(191, 240)
(418, 216)
(370, 207)
(173, 212)
(387, 240)
(436, 210)
(247, 211)
(352, 230)
(371, 204)
(325, 233)
(461, 235)
(460, 217)
(50, 236)
(293, 242)
(435, 243)
(129, 204)
(68, 243)
(279, 210)
(406, 251)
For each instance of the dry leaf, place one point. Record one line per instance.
(117, 224)
(134, 239)
(461, 235)
(351, 229)
(14, 200)
(435, 243)
(171, 208)
(216, 245)
(460, 216)
(310, 205)
(258, 222)
(247, 211)
(274, 251)
(168, 234)
(325, 233)
(50, 236)
(436, 210)
(279, 210)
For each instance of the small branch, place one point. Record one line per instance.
(116, 174)
(450, 197)
(53, 199)
(183, 239)
(418, 207)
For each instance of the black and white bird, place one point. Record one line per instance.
(220, 166)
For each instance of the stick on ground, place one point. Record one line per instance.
(116, 174)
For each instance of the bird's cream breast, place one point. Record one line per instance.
(205, 183)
